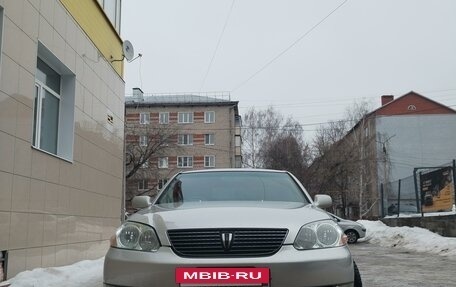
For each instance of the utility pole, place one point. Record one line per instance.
(385, 160)
(361, 157)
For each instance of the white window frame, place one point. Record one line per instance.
(209, 139)
(185, 161)
(143, 184)
(163, 118)
(144, 118)
(185, 117)
(163, 162)
(117, 11)
(209, 117)
(143, 139)
(66, 97)
(40, 89)
(209, 161)
(185, 139)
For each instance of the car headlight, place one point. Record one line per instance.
(320, 234)
(136, 236)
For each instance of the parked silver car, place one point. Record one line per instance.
(352, 229)
(231, 227)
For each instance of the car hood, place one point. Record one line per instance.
(349, 224)
(289, 215)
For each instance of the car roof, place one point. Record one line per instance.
(233, 170)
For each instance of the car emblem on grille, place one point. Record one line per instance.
(227, 238)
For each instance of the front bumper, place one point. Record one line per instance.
(288, 267)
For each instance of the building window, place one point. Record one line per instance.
(209, 117)
(185, 118)
(161, 183)
(47, 108)
(164, 140)
(209, 139)
(185, 161)
(112, 9)
(145, 164)
(53, 114)
(144, 118)
(164, 118)
(237, 140)
(163, 162)
(142, 184)
(209, 161)
(143, 140)
(185, 139)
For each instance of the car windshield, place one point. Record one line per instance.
(232, 186)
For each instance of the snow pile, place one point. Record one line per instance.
(411, 238)
(427, 214)
(86, 273)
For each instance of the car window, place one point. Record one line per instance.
(232, 186)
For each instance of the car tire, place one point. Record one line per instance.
(352, 236)
(358, 282)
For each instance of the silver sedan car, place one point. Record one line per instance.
(352, 229)
(231, 227)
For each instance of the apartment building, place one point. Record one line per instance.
(198, 132)
(61, 131)
(385, 146)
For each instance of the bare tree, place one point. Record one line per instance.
(362, 139)
(144, 146)
(272, 141)
(259, 128)
(286, 152)
(327, 136)
(345, 160)
(332, 169)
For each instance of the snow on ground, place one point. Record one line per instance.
(89, 273)
(411, 238)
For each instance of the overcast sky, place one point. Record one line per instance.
(364, 49)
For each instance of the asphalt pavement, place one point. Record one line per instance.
(396, 267)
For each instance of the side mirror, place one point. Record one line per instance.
(322, 201)
(142, 201)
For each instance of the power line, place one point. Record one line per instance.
(217, 46)
(346, 121)
(289, 47)
(293, 126)
(343, 101)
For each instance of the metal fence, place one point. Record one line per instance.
(404, 195)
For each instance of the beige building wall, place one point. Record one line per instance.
(56, 211)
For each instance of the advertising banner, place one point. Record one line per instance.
(436, 190)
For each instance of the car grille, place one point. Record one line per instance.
(244, 243)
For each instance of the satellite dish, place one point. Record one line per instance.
(128, 51)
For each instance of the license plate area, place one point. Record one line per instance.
(222, 277)
(225, 285)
